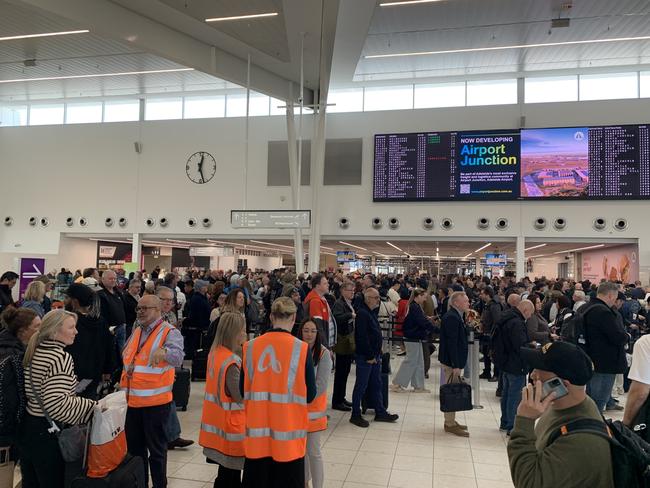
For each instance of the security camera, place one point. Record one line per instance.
(427, 223)
(344, 223)
(393, 223)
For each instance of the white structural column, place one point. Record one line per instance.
(317, 172)
(294, 179)
(521, 257)
(136, 249)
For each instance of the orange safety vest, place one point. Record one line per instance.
(222, 422)
(316, 409)
(275, 397)
(145, 385)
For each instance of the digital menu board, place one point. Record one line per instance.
(608, 162)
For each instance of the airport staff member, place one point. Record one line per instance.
(150, 355)
(277, 383)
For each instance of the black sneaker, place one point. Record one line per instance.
(387, 417)
(498, 393)
(346, 403)
(485, 375)
(359, 421)
(494, 379)
(341, 407)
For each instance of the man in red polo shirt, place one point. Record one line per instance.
(317, 308)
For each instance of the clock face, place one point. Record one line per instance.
(200, 167)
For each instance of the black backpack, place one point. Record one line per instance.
(630, 453)
(498, 350)
(12, 401)
(573, 328)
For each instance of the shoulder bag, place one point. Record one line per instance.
(71, 439)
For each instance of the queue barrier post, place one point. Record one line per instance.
(474, 371)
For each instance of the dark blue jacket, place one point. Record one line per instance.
(453, 340)
(416, 325)
(367, 333)
(199, 313)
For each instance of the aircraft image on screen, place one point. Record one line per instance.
(555, 163)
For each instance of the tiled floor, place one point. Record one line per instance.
(415, 452)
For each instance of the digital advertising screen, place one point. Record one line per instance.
(496, 260)
(565, 163)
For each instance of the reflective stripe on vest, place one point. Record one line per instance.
(151, 369)
(212, 429)
(209, 397)
(150, 392)
(317, 415)
(275, 435)
(261, 396)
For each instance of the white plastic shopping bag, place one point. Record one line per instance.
(107, 438)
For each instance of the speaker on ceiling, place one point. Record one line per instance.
(69, 221)
(376, 223)
(393, 223)
(447, 223)
(191, 222)
(108, 222)
(122, 222)
(33, 221)
(45, 221)
(560, 223)
(600, 223)
(150, 222)
(502, 223)
(9, 221)
(83, 221)
(539, 223)
(344, 223)
(483, 223)
(620, 224)
(427, 223)
(164, 222)
(206, 222)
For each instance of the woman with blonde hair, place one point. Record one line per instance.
(222, 422)
(49, 381)
(34, 297)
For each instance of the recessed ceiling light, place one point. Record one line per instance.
(483, 247)
(45, 34)
(352, 245)
(534, 247)
(498, 48)
(580, 249)
(99, 75)
(407, 2)
(271, 244)
(395, 247)
(242, 17)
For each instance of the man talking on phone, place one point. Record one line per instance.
(548, 453)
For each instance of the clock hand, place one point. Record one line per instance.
(201, 168)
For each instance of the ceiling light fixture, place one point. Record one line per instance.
(328, 248)
(537, 256)
(242, 17)
(407, 2)
(534, 247)
(580, 249)
(498, 48)
(395, 247)
(271, 244)
(45, 34)
(352, 245)
(99, 75)
(481, 248)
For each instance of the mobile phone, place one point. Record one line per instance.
(554, 385)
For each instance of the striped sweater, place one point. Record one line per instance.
(52, 374)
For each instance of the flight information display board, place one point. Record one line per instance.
(608, 162)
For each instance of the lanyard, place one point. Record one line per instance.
(130, 367)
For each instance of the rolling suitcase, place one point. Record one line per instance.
(181, 391)
(129, 474)
(385, 373)
(200, 365)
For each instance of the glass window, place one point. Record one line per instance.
(645, 84)
(345, 100)
(204, 107)
(121, 110)
(440, 95)
(388, 98)
(236, 104)
(83, 113)
(163, 108)
(491, 92)
(551, 89)
(609, 86)
(13, 115)
(50, 114)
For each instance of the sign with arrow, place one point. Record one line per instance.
(30, 268)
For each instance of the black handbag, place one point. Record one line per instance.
(455, 397)
(71, 439)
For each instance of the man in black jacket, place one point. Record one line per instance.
(344, 316)
(605, 342)
(112, 306)
(7, 282)
(368, 341)
(513, 335)
(453, 351)
(492, 310)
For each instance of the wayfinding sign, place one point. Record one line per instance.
(270, 219)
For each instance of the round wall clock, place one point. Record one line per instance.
(201, 167)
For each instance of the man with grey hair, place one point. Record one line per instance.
(605, 340)
(512, 335)
(453, 351)
(112, 306)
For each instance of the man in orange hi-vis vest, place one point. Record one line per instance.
(150, 355)
(277, 382)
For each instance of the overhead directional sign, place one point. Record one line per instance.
(30, 268)
(270, 219)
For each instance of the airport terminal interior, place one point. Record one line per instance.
(418, 143)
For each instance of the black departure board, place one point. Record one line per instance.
(411, 167)
(564, 163)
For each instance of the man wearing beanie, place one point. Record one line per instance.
(92, 350)
(549, 452)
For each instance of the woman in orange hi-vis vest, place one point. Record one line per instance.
(322, 358)
(277, 383)
(222, 422)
